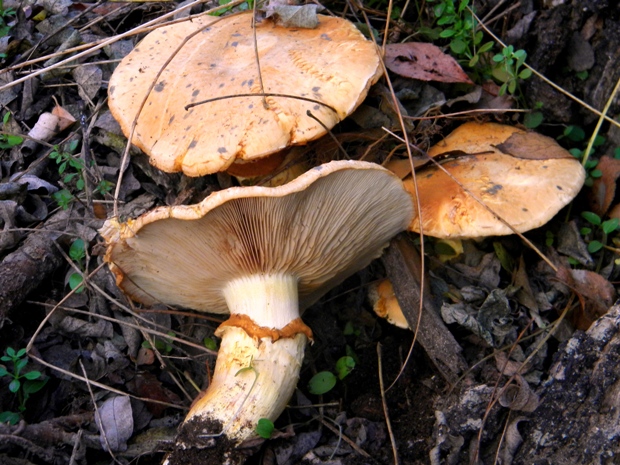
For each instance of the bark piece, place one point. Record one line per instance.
(401, 261)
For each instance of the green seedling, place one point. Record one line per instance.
(534, 118)
(23, 383)
(73, 172)
(5, 17)
(508, 69)
(324, 381)
(8, 141)
(598, 229)
(264, 428)
(163, 345)
(77, 252)
(576, 134)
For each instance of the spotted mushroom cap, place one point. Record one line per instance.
(525, 178)
(320, 228)
(333, 65)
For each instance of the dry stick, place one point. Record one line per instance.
(260, 94)
(385, 407)
(600, 122)
(331, 134)
(467, 112)
(401, 121)
(545, 79)
(473, 196)
(256, 57)
(125, 156)
(111, 40)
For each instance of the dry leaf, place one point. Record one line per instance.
(115, 422)
(533, 146)
(603, 189)
(519, 396)
(304, 16)
(88, 79)
(426, 62)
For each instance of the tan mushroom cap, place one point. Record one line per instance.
(525, 192)
(333, 64)
(320, 228)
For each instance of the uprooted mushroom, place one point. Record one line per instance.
(239, 127)
(263, 255)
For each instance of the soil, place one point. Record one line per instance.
(535, 382)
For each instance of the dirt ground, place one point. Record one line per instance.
(516, 360)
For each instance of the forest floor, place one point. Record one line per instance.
(524, 366)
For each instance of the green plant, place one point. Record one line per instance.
(509, 69)
(77, 252)
(577, 134)
(163, 345)
(8, 141)
(324, 381)
(5, 15)
(264, 428)
(73, 172)
(23, 383)
(597, 233)
(457, 23)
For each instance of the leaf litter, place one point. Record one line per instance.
(97, 335)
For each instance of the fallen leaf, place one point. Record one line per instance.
(88, 79)
(303, 16)
(149, 387)
(532, 146)
(423, 61)
(603, 190)
(519, 396)
(115, 422)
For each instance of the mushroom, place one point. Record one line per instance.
(264, 255)
(523, 178)
(326, 71)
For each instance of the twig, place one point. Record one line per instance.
(385, 407)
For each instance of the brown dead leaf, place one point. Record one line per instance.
(115, 421)
(519, 396)
(149, 387)
(304, 16)
(603, 189)
(426, 62)
(532, 146)
(597, 293)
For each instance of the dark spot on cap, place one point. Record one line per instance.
(171, 119)
(250, 106)
(494, 189)
(111, 90)
(159, 86)
(212, 65)
(192, 144)
(234, 44)
(316, 108)
(250, 82)
(222, 150)
(559, 188)
(221, 85)
(316, 89)
(524, 209)
(325, 37)
(195, 93)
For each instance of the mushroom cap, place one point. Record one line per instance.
(333, 64)
(523, 190)
(320, 228)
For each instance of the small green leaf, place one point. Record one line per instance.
(591, 218)
(585, 231)
(458, 46)
(574, 133)
(446, 33)
(533, 120)
(20, 353)
(525, 73)
(32, 386)
(322, 382)
(344, 366)
(34, 374)
(14, 385)
(11, 352)
(77, 251)
(76, 282)
(264, 428)
(594, 246)
(485, 47)
(596, 173)
(20, 364)
(610, 226)
(12, 418)
(209, 343)
(3, 372)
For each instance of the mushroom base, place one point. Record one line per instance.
(253, 379)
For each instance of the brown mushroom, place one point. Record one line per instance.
(262, 254)
(326, 71)
(501, 167)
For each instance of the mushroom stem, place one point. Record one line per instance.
(258, 362)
